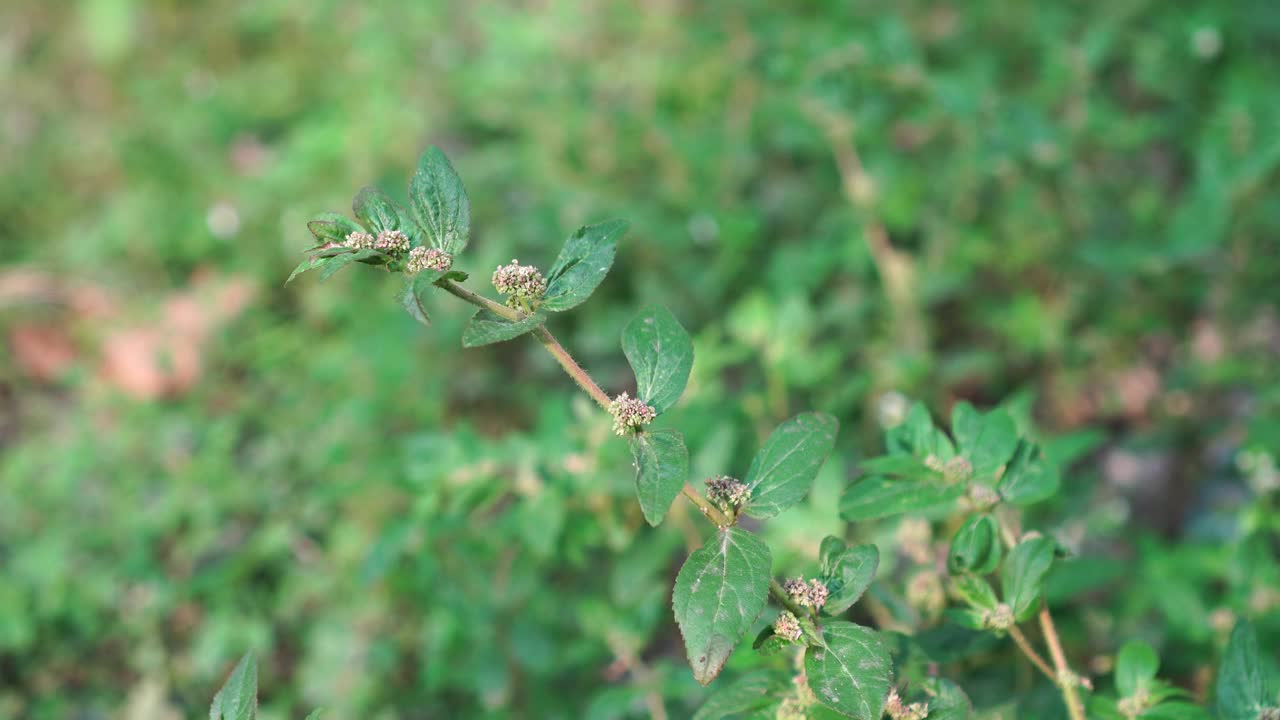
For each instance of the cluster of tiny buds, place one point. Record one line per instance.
(957, 469)
(425, 258)
(982, 497)
(630, 414)
(787, 626)
(1135, 704)
(727, 493)
(360, 240)
(1001, 618)
(899, 710)
(1269, 714)
(521, 282)
(391, 241)
(812, 594)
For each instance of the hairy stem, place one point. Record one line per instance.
(775, 589)
(1065, 678)
(571, 366)
(1025, 646)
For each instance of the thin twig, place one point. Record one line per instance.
(579, 375)
(711, 511)
(1066, 679)
(1030, 652)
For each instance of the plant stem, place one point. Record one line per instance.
(711, 511)
(579, 375)
(1065, 678)
(571, 366)
(1030, 652)
(781, 596)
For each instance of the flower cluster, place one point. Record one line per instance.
(360, 240)
(1135, 704)
(787, 626)
(899, 710)
(425, 258)
(1001, 618)
(520, 282)
(957, 469)
(727, 493)
(982, 497)
(630, 414)
(807, 594)
(391, 241)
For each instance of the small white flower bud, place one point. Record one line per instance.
(360, 240)
(425, 258)
(391, 241)
(630, 414)
(787, 626)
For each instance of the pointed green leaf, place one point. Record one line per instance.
(486, 328)
(829, 552)
(331, 227)
(310, 263)
(718, 594)
(749, 692)
(238, 697)
(1136, 666)
(1023, 573)
(1028, 478)
(662, 467)
(851, 574)
(917, 436)
(974, 590)
(783, 471)
(986, 439)
(975, 547)
(661, 355)
(377, 211)
(851, 671)
(1175, 711)
(583, 262)
(1246, 687)
(440, 203)
(879, 497)
(768, 642)
(315, 714)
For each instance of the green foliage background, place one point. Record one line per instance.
(1081, 203)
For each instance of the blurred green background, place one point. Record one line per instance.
(1069, 207)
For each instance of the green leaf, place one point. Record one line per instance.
(749, 692)
(583, 262)
(986, 439)
(238, 697)
(906, 467)
(661, 355)
(413, 294)
(440, 203)
(662, 467)
(917, 436)
(377, 211)
(783, 471)
(975, 547)
(829, 552)
(946, 700)
(851, 573)
(1245, 687)
(974, 590)
(337, 262)
(1136, 666)
(310, 263)
(879, 497)
(1028, 478)
(718, 594)
(768, 642)
(331, 227)
(1023, 572)
(486, 328)
(315, 714)
(851, 671)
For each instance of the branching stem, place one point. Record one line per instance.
(1066, 679)
(579, 375)
(784, 599)
(1025, 646)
